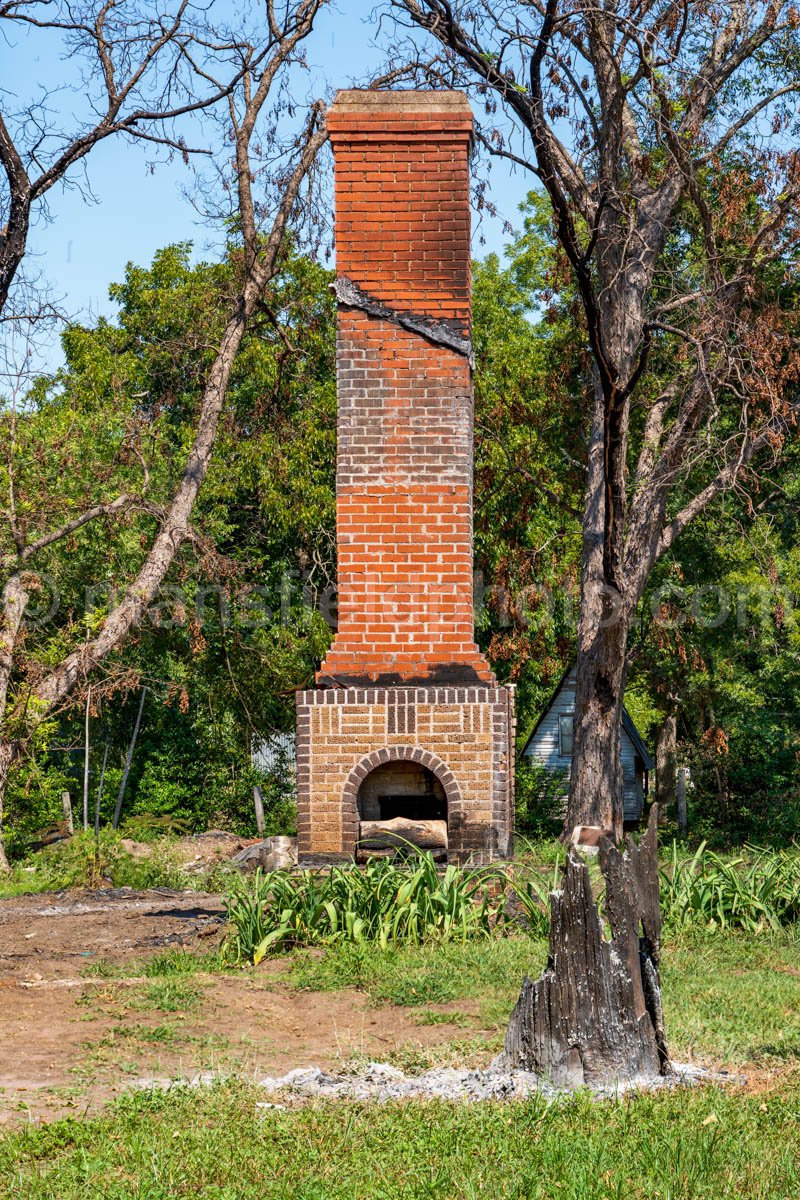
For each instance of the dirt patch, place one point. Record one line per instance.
(60, 933)
(70, 1040)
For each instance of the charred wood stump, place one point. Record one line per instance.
(594, 1016)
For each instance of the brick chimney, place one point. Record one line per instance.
(404, 680)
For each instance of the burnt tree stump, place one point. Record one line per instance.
(594, 1016)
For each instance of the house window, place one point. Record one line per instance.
(566, 723)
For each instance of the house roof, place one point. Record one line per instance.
(636, 738)
(627, 724)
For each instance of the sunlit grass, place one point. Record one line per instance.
(215, 1144)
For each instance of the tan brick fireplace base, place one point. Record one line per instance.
(459, 739)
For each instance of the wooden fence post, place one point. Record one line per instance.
(258, 804)
(66, 805)
(683, 819)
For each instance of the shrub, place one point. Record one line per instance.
(147, 827)
(80, 862)
(540, 799)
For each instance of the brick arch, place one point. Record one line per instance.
(390, 754)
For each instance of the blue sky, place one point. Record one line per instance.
(85, 246)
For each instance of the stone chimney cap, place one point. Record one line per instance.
(398, 101)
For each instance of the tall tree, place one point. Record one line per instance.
(664, 136)
(130, 72)
(250, 73)
(231, 632)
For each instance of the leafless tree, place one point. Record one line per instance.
(153, 70)
(664, 133)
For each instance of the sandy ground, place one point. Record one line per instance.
(71, 1040)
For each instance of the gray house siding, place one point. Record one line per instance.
(544, 746)
(276, 754)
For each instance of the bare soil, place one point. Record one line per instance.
(70, 1039)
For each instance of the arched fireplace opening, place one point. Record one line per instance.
(401, 805)
(401, 789)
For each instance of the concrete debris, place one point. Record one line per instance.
(271, 854)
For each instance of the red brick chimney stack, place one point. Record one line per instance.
(404, 475)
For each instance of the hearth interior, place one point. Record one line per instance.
(402, 789)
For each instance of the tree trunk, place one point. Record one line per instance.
(666, 763)
(596, 786)
(594, 1016)
(595, 794)
(7, 754)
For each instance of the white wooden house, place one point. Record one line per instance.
(551, 745)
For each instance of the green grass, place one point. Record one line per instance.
(214, 1144)
(734, 998)
(162, 1035)
(450, 1016)
(170, 962)
(729, 998)
(169, 996)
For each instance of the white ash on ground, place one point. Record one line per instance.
(382, 1082)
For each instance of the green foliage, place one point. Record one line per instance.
(82, 862)
(540, 798)
(147, 827)
(388, 904)
(754, 893)
(246, 614)
(717, 641)
(234, 630)
(383, 902)
(33, 802)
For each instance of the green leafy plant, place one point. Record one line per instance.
(382, 902)
(145, 827)
(531, 896)
(756, 891)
